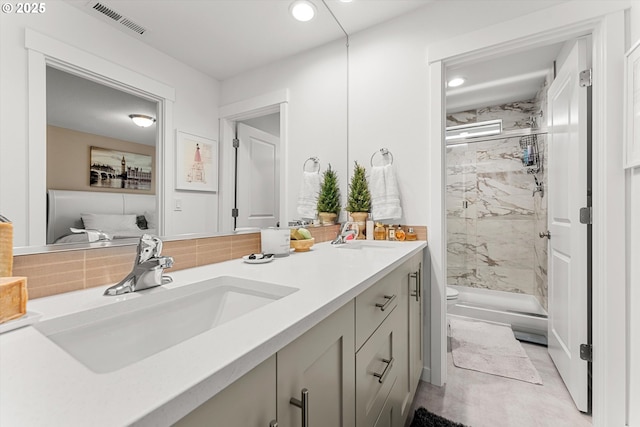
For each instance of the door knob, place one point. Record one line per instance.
(546, 234)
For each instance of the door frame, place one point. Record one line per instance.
(606, 23)
(275, 102)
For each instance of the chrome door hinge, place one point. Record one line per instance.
(586, 352)
(586, 215)
(236, 143)
(586, 78)
(234, 213)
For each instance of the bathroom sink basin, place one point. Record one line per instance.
(367, 245)
(111, 337)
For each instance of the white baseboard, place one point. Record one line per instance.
(426, 375)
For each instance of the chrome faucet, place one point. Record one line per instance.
(539, 188)
(346, 231)
(147, 270)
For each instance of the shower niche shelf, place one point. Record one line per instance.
(530, 153)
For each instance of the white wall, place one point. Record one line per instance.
(633, 276)
(389, 97)
(388, 63)
(388, 88)
(195, 107)
(269, 123)
(317, 85)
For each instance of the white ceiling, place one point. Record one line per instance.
(223, 38)
(510, 78)
(76, 103)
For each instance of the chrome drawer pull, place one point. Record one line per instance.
(304, 405)
(385, 305)
(415, 293)
(381, 377)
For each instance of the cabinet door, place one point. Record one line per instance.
(321, 362)
(248, 402)
(416, 332)
(402, 390)
(410, 331)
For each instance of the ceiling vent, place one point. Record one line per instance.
(110, 15)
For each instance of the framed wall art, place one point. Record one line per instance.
(120, 169)
(632, 107)
(196, 163)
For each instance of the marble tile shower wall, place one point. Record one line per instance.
(540, 207)
(492, 218)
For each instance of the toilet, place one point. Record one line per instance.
(452, 297)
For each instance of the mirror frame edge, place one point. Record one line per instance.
(44, 51)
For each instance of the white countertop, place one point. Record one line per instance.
(42, 385)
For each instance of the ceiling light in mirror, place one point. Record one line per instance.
(456, 81)
(142, 120)
(302, 10)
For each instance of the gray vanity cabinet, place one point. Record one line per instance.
(321, 364)
(410, 308)
(392, 344)
(248, 402)
(358, 367)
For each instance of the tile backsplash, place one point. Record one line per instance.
(58, 272)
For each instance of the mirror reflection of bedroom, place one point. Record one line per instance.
(101, 164)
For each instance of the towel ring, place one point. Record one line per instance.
(383, 152)
(315, 161)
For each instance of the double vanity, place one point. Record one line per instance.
(333, 336)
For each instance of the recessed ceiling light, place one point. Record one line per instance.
(456, 81)
(142, 120)
(302, 10)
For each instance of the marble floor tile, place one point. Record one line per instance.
(477, 399)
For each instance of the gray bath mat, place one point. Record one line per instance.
(490, 348)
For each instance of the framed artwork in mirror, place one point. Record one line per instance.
(632, 107)
(196, 163)
(120, 169)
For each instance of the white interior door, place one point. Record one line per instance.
(258, 178)
(567, 265)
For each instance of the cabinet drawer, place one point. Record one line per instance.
(376, 371)
(388, 415)
(374, 305)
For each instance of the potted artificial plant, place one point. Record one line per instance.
(359, 199)
(329, 198)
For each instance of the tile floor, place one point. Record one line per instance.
(477, 399)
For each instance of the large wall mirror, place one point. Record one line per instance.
(82, 100)
(96, 151)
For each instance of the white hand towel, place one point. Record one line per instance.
(308, 196)
(385, 196)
